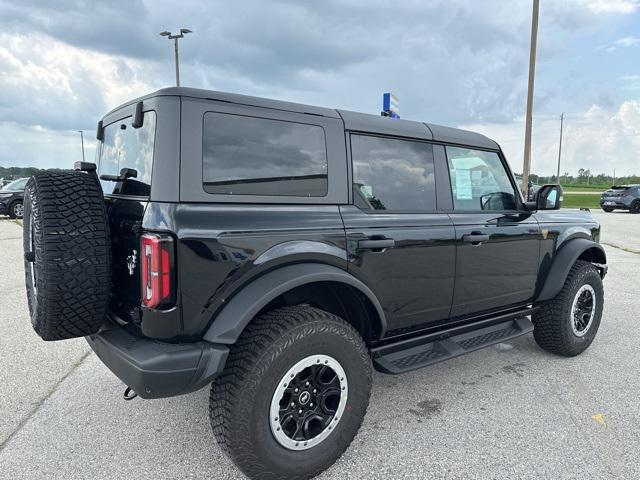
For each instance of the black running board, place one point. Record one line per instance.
(396, 359)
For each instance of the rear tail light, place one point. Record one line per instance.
(157, 272)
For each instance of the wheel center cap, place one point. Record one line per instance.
(304, 398)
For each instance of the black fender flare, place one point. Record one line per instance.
(236, 315)
(564, 260)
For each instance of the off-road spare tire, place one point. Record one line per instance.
(67, 255)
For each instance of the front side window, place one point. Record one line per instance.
(259, 156)
(479, 180)
(392, 174)
(127, 147)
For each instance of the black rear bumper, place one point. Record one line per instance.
(157, 369)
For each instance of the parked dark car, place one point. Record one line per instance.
(621, 197)
(11, 198)
(280, 252)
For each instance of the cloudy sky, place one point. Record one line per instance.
(64, 63)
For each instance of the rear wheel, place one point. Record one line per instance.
(608, 210)
(16, 209)
(293, 394)
(635, 207)
(567, 324)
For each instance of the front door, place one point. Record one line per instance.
(498, 240)
(398, 243)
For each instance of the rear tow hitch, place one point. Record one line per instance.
(129, 394)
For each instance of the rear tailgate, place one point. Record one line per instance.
(125, 220)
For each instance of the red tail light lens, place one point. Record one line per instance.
(157, 276)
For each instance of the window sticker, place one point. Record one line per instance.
(463, 185)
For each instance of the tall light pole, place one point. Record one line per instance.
(81, 132)
(560, 147)
(532, 73)
(175, 39)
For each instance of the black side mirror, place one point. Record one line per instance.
(497, 201)
(549, 197)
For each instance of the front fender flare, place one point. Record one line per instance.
(236, 315)
(562, 263)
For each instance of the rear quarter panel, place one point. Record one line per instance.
(221, 247)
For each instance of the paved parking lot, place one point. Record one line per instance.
(510, 411)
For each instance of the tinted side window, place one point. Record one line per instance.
(479, 180)
(259, 156)
(391, 174)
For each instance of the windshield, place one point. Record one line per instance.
(127, 147)
(16, 185)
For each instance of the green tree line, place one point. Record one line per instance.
(19, 172)
(585, 177)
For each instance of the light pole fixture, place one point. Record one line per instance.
(532, 73)
(183, 32)
(81, 132)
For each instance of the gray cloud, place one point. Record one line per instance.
(451, 62)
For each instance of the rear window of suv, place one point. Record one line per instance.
(127, 147)
(260, 156)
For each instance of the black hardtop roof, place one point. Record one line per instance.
(355, 121)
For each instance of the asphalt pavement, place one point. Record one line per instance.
(508, 411)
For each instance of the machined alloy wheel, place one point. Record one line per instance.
(293, 393)
(308, 402)
(17, 209)
(583, 310)
(567, 324)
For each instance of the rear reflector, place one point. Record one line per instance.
(157, 277)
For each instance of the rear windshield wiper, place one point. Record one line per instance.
(124, 174)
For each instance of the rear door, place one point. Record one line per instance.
(398, 242)
(498, 240)
(124, 146)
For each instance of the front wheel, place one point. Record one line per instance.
(293, 394)
(567, 324)
(635, 207)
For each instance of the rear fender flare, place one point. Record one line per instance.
(562, 263)
(243, 307)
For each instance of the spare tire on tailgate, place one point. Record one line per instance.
(67, 254)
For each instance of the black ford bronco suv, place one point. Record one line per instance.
(281, 252)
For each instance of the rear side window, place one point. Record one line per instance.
(259, 156)
(479, 180)
(392, 174)
(127, 147)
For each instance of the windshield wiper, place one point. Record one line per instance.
(124, 174)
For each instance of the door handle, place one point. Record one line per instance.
(376, 244)
(475, 238)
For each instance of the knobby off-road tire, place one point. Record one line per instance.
(272, 346)
(555, 328)
(67, 254)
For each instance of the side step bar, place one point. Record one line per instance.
(396, 359)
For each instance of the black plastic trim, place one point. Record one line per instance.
(400, 358)
(562, 263)
(156, 369)
(231, 321)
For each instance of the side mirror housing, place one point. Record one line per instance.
(548, 197)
